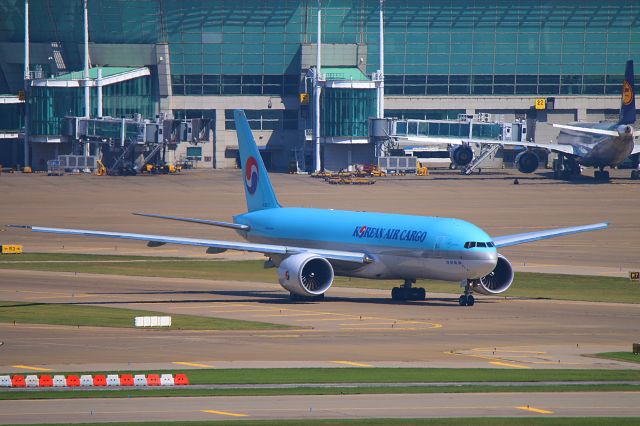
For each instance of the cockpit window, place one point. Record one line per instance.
(472, 244)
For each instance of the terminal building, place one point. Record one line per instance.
(201, 59)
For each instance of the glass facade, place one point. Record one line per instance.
(346, 112)
(265, 119)
(11, 117)
(49, 105)
(432, 47)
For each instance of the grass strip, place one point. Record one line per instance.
(526, 284)
(620, 356)
(476, 421)
(98, 316)
(271, 376)
(365, 390)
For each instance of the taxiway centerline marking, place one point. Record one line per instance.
(535, 410)
(192, 364)
(28, 367)
(225, 413)
(506, 364)
(355, 364)
(380, 329)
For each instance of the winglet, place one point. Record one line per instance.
(19, 226)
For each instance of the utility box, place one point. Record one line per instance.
(11, 249)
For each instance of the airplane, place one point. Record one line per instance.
(596, 145)
(309, 246)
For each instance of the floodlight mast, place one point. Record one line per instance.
(381, 62)
(316, 93)
(27, 82)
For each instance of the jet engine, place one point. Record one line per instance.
(497, 281)
(305, 274)
(527, 162)
(461, 155)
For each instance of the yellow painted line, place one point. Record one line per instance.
(355, 364)
(224, 413)
(364, 324)
(299, 315)
(233, 311)
(279, 336)
(326, 319)
(535, 410)
(505, 364)
(28, 367)
(192, 364)
(380, 329)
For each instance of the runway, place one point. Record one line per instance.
(352, 327)
(590, 404)
(357, 328)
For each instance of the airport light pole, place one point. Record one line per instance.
(381, 62)
(27, 83)
(316, 92)
(87, 98)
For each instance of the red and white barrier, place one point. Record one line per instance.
(87, 380)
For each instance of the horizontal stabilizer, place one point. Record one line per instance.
(512, 240)
(200, 221)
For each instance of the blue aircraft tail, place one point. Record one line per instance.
(257, 186)
(628, 104)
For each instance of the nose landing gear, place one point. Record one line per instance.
(467, 298)
(408, 292)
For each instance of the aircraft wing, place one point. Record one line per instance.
(514, 239)
(157, 240)
(439, 141)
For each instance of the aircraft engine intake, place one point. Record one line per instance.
(497, 281)
(527, 162)
(305, 274)
(461, 155)
(625, 130)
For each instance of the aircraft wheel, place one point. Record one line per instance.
(396, 293)
(422, 294)
(470, 300)
(635, 175)
(462, 300)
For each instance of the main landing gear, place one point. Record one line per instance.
(601, 174)
(565, 168)
(408, 292)
(467, 298)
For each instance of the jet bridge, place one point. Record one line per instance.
(127, 144)
(460, 138)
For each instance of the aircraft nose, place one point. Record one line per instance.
(484, 262)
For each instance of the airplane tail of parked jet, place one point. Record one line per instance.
(628, 99)
(257, 186)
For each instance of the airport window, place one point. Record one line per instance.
(268, 119)
(194, 152)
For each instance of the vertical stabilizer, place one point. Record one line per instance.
(628, 103)
(257, 186)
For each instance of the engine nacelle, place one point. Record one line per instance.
(305, 274)
(497, 281)
(461, 155)
(527, 162)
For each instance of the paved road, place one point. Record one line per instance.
(489, 200)
(353, 327)
(591, 404)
